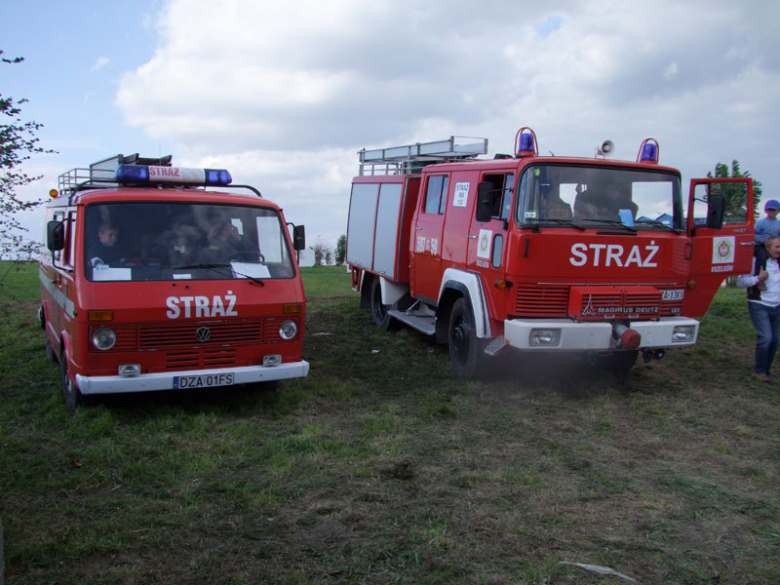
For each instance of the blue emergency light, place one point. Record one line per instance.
(525, 142)
(132, 174)
(176, 175)
(648, 151)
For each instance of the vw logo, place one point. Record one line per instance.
(203, 334)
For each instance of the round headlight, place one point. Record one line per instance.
(288, 330)
(104, 338)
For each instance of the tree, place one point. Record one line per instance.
(736, 196)
(341, 249)
(18, 142)
(322, 253)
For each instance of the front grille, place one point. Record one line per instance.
(541, 301)
(161, 336)
(197, 359)
(183, 338)
(552, 301)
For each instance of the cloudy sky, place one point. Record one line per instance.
(284, 94)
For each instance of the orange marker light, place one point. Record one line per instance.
(101, 315)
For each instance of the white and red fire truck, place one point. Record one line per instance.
(150, 281)
(593, 256)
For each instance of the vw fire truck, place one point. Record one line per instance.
(157, 277)
(603, 258)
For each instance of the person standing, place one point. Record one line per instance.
(766, 227)
(763, 292)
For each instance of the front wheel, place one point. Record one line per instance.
(464, 345)
(50, 354)
(73, 397)
(619, 362)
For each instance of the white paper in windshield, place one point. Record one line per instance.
(249, 269)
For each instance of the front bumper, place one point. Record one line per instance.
(165, 380)
(596, 335)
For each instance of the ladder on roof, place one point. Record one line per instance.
(101, 174)
(408, 159)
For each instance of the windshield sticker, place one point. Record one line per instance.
(461, 195)
(530, 215)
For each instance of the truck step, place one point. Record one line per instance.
(423, 321)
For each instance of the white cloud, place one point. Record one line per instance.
(100, 63)
(287, 93)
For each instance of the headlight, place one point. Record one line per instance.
(544, 337)
(683, 334)
(288, 330)
(104, 338)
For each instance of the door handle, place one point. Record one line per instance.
(472, 237)
(417, 227)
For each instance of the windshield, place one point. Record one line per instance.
(587, 196)
(183, 241)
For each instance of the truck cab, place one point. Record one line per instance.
(157, 277)
(605, 258)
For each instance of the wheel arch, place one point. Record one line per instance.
(456, 284)
(365, 289)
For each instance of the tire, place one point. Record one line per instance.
(73, 397)
(379, 313)
(619, 362)
(50, 354)
(464, 346)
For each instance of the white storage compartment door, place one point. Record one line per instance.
(360, 228)
(386, 241)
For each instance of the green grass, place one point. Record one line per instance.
(381, 467)
(326, 281)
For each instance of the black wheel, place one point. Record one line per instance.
(619, 362)
(378, 310)
(465, 346)
(50, 354)
(73, 397)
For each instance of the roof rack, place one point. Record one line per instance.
(102, 174)
(411, 158)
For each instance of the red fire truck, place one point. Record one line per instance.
(152, 282)
(603, 258)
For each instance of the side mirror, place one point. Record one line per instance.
(299, 237)
(55, 235)
(716, 207)
(485, 201)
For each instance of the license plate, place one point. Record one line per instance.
(203, 381)
(673, 295)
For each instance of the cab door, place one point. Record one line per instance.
(487, 249)
(718, 251)
(427, 237)
(57, 280)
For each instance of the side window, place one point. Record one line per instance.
(59, 254)
(436, 194)
(503, 187)
(70, 240)
(498, 251)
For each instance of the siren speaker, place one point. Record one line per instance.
(606, 148)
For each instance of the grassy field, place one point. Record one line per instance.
(381, 467)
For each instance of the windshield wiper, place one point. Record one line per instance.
(615, 222)
(656, 223)
(557, 221)
(219, 269)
